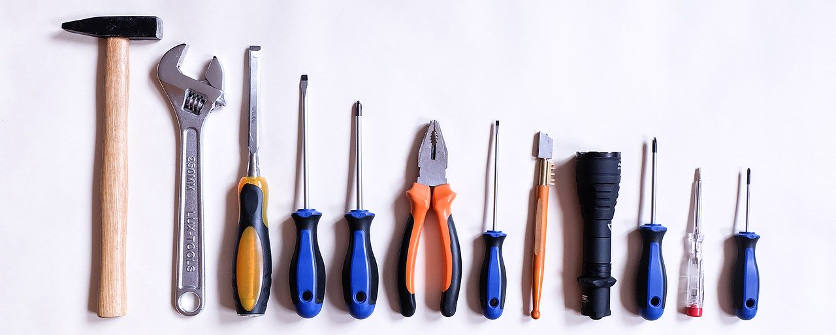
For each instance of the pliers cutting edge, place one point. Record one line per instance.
(430, 191)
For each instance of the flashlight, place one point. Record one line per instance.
(598, 175)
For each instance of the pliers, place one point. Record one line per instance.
(430, 191)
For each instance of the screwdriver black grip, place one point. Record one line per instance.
(360, 275)
(746, 281)
(598, 175)
(307, 271)
(652, 281)
(252, 269)
(492, 280)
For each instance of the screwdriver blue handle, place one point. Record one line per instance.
(360, 276)
(492, 281)
(652, 283)
(746, 283)
(307, 271)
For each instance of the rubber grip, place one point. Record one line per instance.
(252, 269)
(492, 281)
(746, 281)
(307, 271)
(442, 198)
(360, 276)
(419, 201)
(652, 282)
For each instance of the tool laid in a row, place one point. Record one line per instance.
(252, 268)
(598, 175)
(652, 283)
(430, 191)
(492, 281)
(545, 179)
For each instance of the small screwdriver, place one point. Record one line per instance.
(252, 266)
(746, 278)
(695, 293)
(652, 280)
(307, 270)
(492, 281)
(360, 276)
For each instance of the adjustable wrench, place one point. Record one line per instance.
(192, 100)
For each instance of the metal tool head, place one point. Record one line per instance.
(130, 27)
(544, 145)
(432, 157)
(189, 96)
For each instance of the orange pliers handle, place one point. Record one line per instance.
(422, 198)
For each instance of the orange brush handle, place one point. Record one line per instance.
(539, 247)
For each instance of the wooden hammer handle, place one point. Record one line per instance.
(114, 183)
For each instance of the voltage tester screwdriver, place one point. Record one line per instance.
(651, 286)
(360, 276)
(695, 292)
(307, 271)
(252, 266)
(492, 281)
(746, 280)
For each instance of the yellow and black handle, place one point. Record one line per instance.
(252, 267)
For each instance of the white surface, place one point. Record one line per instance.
(723, 85)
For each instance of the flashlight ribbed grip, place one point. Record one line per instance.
(598, 176)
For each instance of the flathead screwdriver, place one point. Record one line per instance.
(652, 283)
(307, 270)
(746, 281)
(252, 266)
(360, 276)
(492, 281)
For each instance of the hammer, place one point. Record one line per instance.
(116, 30)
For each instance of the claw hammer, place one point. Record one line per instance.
(117, 31)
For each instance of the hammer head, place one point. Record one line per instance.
(130, 27)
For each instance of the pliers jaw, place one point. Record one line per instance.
(432, 157)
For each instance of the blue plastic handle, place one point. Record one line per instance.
(307, 270)
(492, 282)
(360, 275)
(652, 280)
(746, 282)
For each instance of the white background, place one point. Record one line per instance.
(724, 85)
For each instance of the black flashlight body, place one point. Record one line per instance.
(598, 175)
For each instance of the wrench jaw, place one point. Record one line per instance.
(190, 98)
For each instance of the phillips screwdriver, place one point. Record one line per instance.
(252, 266)
(652, 281)
(746, 281)
(695, 292)
(492, 281)
(360, 276)
(307, 271)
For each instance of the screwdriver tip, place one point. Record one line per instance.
(748, 176)
(255, 48)
(497, 123)
(304, 77)
(654, 145)
(358, 108)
